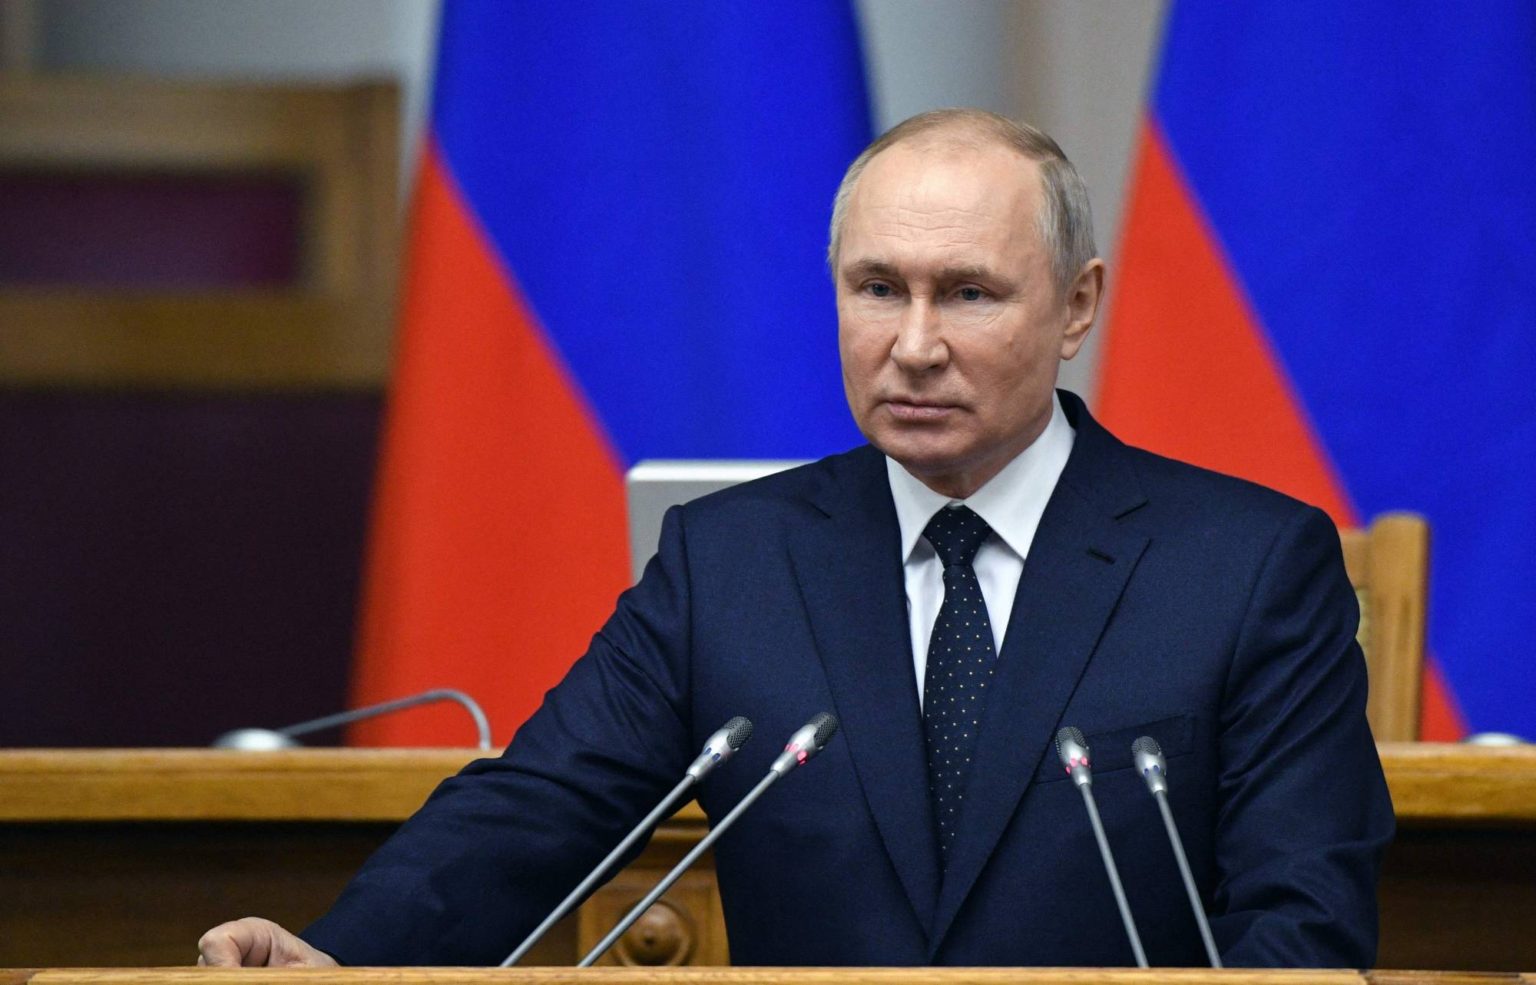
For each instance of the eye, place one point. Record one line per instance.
(970, 294)
(878, 289)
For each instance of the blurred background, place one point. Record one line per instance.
(320, 322)
(209, 224)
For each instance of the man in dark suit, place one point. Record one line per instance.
(994, 566)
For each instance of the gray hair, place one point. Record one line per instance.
(1065, 220)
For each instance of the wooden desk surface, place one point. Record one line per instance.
(1431, 783)
(746, 976)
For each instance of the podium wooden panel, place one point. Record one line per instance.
(743, 976)
(122, 858)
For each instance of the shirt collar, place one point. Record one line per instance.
(1011, 502)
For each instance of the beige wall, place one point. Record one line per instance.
(1081, 72)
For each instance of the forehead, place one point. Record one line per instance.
(935, 195)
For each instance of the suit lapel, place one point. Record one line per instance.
(848, 565)
(1077, 569)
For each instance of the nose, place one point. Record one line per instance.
(919, 345)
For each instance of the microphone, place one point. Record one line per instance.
(1149, 760)
(265, 739)
(1073, 751)
(807, 741)
(717, 749)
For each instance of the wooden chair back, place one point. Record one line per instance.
(1388, 563)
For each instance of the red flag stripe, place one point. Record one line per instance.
(478, 577)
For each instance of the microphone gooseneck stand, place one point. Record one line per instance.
(717, 749)
(807, 741)
(265, 739)
(1149, 760)
(1073, 751)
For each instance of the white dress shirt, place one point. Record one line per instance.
(1011, 503)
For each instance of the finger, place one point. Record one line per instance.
(292, 951)
(247, 942)
(220, 948)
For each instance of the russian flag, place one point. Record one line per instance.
(1328, 284)
(615, 254)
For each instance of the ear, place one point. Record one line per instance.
(1082, 306)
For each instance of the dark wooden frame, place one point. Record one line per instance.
(333, 329)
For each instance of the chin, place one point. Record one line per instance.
(920, 458)
(920, 449)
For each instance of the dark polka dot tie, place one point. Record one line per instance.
(960, 659)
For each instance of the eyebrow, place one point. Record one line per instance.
(872, 267)
(967, 272)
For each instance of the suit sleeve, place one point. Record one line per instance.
(1304, 812)
(496, 847)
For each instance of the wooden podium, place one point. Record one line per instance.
(123, 858)
(745, 976)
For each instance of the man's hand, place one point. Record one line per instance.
(257, 943)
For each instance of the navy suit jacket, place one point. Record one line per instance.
(1157, 599)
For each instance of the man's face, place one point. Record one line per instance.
(949, 324)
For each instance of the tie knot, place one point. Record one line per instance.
(956, 534)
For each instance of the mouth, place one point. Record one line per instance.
(918, 410)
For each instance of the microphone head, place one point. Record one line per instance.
(1148, 756)
(1070, 744)
(808, 740)
(737, 731)
(720, 746)
(826, 727)
(1072, 750)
